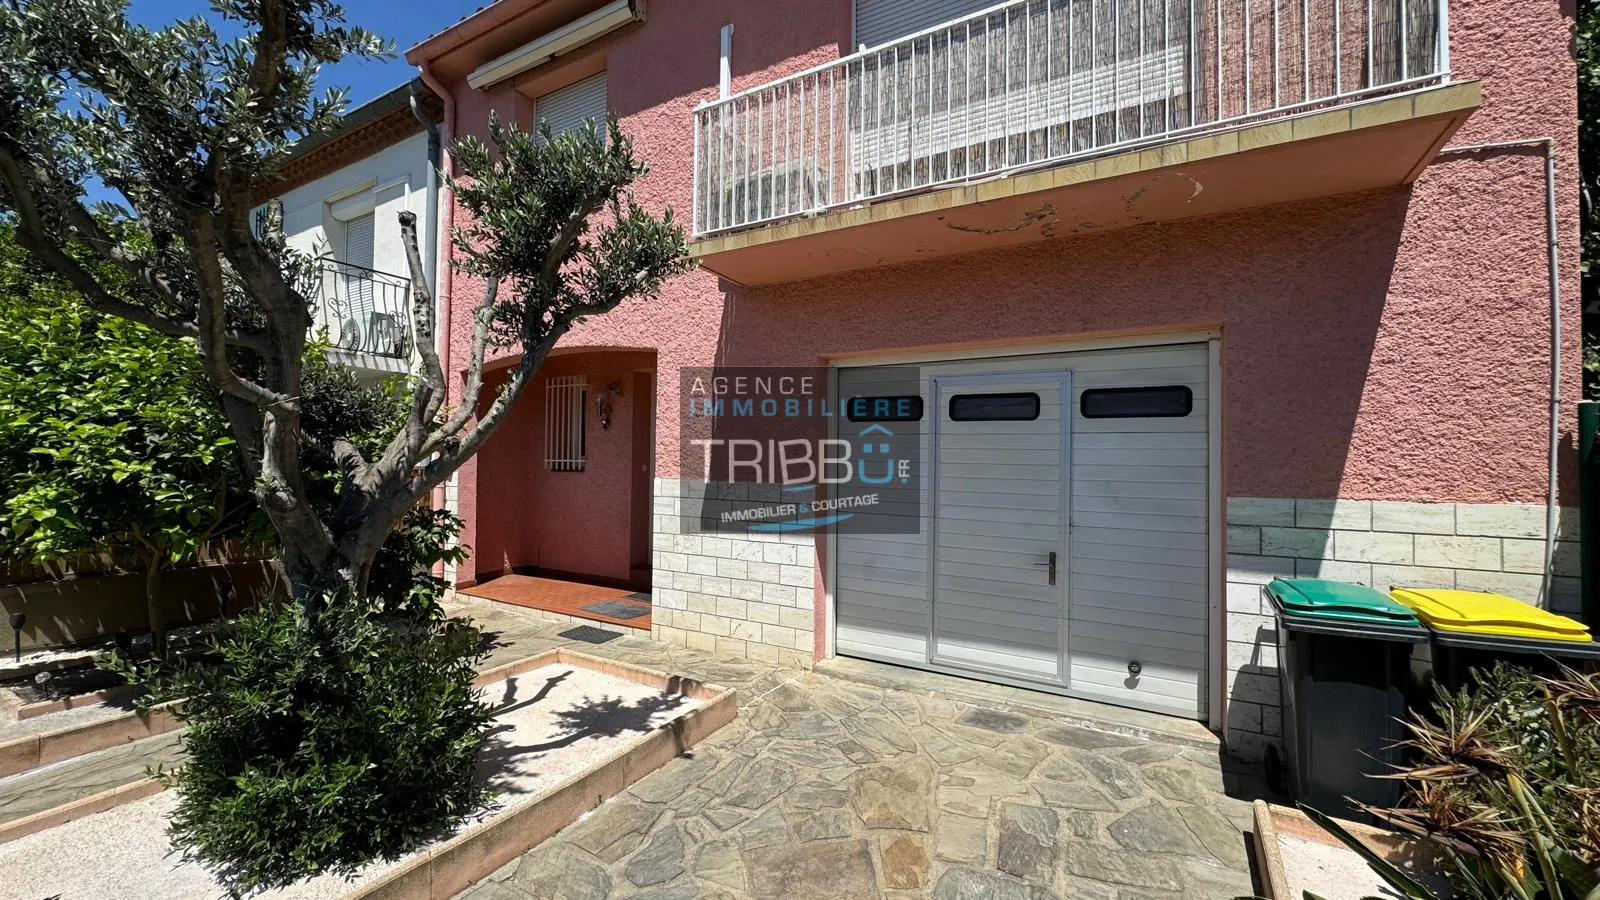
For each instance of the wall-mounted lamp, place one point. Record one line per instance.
(602, 402)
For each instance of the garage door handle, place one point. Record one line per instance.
(1052, 565)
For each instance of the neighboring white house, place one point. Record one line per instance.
(342, 194)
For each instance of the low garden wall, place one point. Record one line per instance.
(89, 599)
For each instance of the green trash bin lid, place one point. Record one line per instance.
(1314, 598)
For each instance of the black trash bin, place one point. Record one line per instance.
(1345, 652)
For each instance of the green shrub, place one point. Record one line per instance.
(322, 746)
(402, 572)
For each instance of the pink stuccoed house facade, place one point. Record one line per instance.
(1265, 317)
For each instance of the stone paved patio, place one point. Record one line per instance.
(826, 787)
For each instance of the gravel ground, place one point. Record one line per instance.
(551, 723)
(182, 636)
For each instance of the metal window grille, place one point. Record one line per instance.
(566, 398)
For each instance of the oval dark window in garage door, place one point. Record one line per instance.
(994, 407)
(1168, 402)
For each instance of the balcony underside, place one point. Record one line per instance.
(1381, 142)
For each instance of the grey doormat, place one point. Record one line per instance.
(617, 609)
(590, 634)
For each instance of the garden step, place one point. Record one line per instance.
(57, 784)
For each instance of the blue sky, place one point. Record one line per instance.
(405, 22)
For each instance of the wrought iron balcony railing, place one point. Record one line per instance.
(1037, 82)
(364, 310)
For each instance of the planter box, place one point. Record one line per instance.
(1297, 855)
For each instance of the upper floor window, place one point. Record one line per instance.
(881, 21)
(566, 109)
(358, 241)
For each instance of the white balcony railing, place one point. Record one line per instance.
(1038, 82)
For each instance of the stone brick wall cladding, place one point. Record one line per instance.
(748, 596)
(452, 502)
(1379, 543)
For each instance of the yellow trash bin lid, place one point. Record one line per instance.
(1480, 612)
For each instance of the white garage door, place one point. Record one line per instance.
(1119, 439)
(999, 602)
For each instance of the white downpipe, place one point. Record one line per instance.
(725, 63)
(1552, 242)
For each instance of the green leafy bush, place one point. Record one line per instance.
(110, 437)
(320, 746)
(402, 572)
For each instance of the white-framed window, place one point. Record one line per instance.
(566, 402)
(566, 109)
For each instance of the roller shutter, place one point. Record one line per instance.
(568, 108)
(882, 21)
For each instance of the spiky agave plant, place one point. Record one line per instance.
(1507, 785)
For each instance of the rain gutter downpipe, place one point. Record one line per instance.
(440, 164)
(1552, 248)
(445, 280)
(435, 151)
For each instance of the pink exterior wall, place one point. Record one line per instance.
(1388, 345)
(562, 521)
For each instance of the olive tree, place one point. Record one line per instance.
(188, 128)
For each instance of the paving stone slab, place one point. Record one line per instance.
(1074, 795)
(821, 871)
(1155, 828)
(1025, 842)
(972, 791)
(721, 863)
(1221, 838)
(895, 796)
(659, 860)
(1117, 777)
(1098, 863)
(819, 824)
(969, 884)
(962, 839)
(995, 720)
(615, 829)
(764, 780)
(904, 706)
(904, 861)
(790, 697)
(765, 830)
(1086, 738)
(1180, 782)
(1150, 753)
(562, 872)
(817, 794)
(1017, 757)
(810, 754)
(686, 891)
(945, 750)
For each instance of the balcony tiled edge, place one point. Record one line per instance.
(1440, 100)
